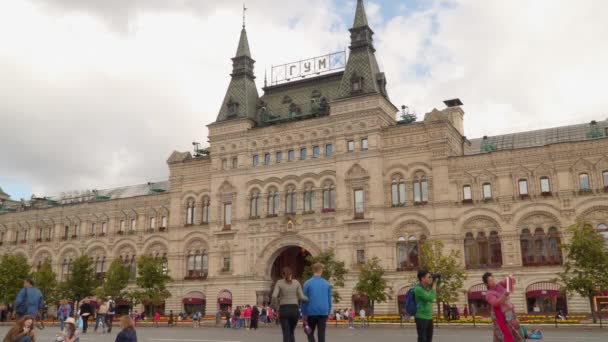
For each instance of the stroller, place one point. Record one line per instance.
(536, 334)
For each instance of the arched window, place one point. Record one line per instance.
(49, 233)
(66, 269)
(190, 212)
(273, 203)
(495, 250)
(481, 251)
(205, 218)
(398, 192)
(309, 200)
(554, 247)
(290, 201)
(76, 230)
(152, 223)
(40, 234)
(130, 262)
(329, 198)
(104, 228)
(408, 253)
(197, 265)
(483, 248)
(539, 246)
(421, 190)
(93, 229)
(163, 222)
(25, 235)
(601, 228)
(583, 181)
(545, 185)
(66, 232)
(99, 266)
(254, 205)
(605, 178)
(541, 249)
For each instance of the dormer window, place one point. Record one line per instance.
(356, 83)
(233, 107)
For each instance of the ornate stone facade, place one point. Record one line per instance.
(366, 186)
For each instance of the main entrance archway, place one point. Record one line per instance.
(293, 257)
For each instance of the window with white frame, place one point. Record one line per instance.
(584, 181)
(487, 191)
(290, 201)
(273, 203)
(254, 203)
(523, 187)
(329, 197)
(545, 185)
(467, 194)
(359, 196)
(309, 200)
(205, 218)
(190, 212)
(397, 191)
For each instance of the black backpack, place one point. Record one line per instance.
(112, 306)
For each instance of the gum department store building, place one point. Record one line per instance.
(319, 163)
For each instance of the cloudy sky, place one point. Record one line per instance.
(98, 93)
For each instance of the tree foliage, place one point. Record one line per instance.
(452, 274)
(82, 280)
(14, 270)
(586, 267)
(333, 270)
(115, 281)
(152, 280)
(46, 281)
(373, 284)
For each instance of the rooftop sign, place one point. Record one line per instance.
(308, 67)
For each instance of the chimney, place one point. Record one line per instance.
(455, 114)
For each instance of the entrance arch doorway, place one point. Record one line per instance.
(293, 257)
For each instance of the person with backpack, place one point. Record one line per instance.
(110, 314)
(29, 300)
(424, 294)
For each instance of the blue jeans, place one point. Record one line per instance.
(102, 319)
(25, 339)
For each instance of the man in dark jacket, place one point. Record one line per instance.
(86, 311)
(29, 300)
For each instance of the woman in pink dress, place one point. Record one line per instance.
(506, 326)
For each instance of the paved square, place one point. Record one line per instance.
(272, 334)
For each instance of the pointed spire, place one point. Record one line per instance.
(242, 95)
(243, 48)
(362, 74)
(360, 16)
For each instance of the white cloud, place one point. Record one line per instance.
(98, 93)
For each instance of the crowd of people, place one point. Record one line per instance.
(29, 306)
(291, 303)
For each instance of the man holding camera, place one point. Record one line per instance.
(425, 293)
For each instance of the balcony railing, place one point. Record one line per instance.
(483, 266)
(202, 276)
(551, 262)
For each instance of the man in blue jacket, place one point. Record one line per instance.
(318, 307)
(29, 300)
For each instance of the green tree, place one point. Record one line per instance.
(452, 274)
(334, 271)
(82, 280)
(586, 265)
(152, 280)
(372, 283)
(14, 270)
(46, 281)
(116, 280)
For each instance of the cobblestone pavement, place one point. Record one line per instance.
(272, 334)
